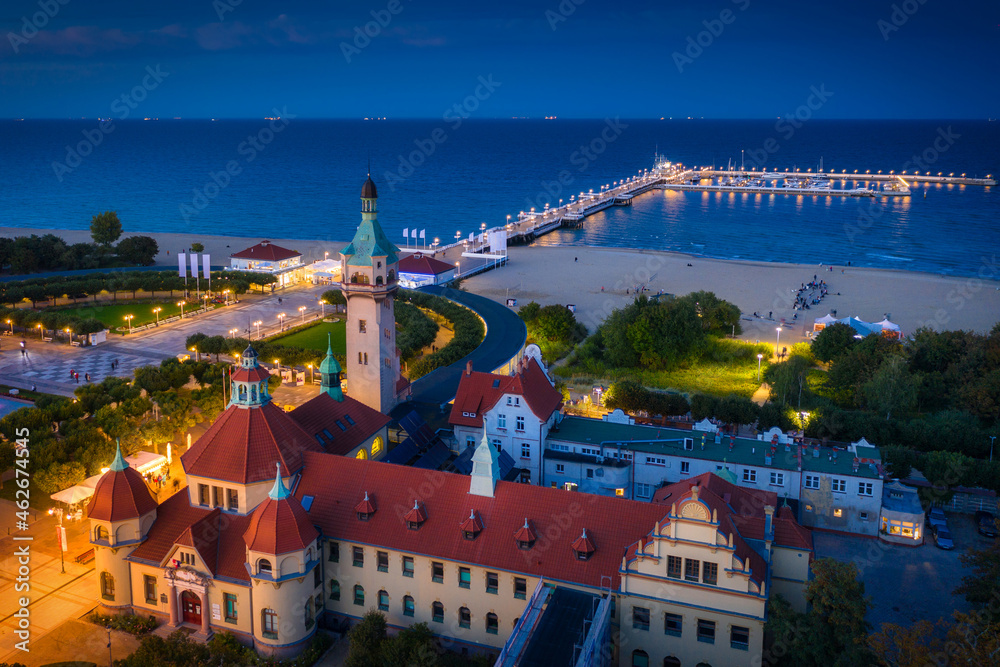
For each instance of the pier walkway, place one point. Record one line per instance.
(844, 176)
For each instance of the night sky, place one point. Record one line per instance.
(574, 58)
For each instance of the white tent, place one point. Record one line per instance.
(324, 268)
(821, 323)
(146, 462)
(889, 326)
(73, 494)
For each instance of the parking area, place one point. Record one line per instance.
(907, 584)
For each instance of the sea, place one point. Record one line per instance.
(301, 178)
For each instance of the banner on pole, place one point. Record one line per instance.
(61, 538)
(406, 234)
(422, 232)
(194, 265)
(206, 265)
(182, 265)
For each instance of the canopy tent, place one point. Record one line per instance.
(821, 323)
(324, 268)
(146, 462)
(860, 326)
(73, 494)
(890, 327)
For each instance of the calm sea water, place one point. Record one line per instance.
(303, 181)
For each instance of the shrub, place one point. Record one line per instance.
(130, 623)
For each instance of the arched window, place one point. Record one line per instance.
(253, 393)
(359, 595)
(269, 623)
(464, 618)
(383, 601)
(263, 566)
(671, 661)
(492, 624)
(107, 586)
(378, 280)
(377, 445)
(362, 454)
(437, 612)
(335, 590)
(309, 613)
(640, 659)
(407, 605)
(101, 533)
(359, 279)
(392, 276)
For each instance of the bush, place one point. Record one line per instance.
(130, 623)
(469, 332)
(416, 330)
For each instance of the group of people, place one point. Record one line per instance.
(810, 294)
(75, 376)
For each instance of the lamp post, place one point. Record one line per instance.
(11, 327)
(302, 313)
(41, 334)
(322, 304)
(310, 367)
(226, 292)
(182, 304)
(197, 355)
(232, 332)
(277, 364)
(760, 357)
(128, 318)
(156, 311)
(70, 333)
(281, 322)
(58, 511)
(992, 440)
(257, 324)
(777, 340)
(326, 255)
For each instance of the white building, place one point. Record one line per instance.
(265, 257)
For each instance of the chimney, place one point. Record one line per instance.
(468, 367)
(798, 456)
(768, 530)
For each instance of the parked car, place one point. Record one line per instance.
(986, 523)
(935, 518)
(942, 538)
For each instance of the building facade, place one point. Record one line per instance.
(266, 257)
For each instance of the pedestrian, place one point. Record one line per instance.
(769, 314)
(576, 259)
(71, 372)
(76, 377)
(87, 376)
(34, 388)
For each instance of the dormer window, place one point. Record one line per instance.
(583, 547)
(416, 516)
(472, 526)
(365, 508)
(525, 536)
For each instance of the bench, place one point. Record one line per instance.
(75, 343)
(85, 557)
(46, 339)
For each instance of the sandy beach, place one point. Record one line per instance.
(598, 280)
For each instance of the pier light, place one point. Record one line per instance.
(929, 173)
(951, 174)
(855, 171)
(904, 172)
(868, 171)
(560, 203)
(880, 171)
(891, 172)
(963, 175)
(939, 173)
(482, 225)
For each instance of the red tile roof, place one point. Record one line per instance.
(526, 533)
(477, 394)
(417, 514)
(559, 516)
(243, 445)
(742, 500)
(323, 411)
(423, 265)
(584, 544)
(279, 526)
(366, 506)
(787, 532)
(221, 537)
(267, 252)
(473, 523)
(256, 374)
(120, 495)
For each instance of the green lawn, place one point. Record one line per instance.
(113, 314)
(314, 338)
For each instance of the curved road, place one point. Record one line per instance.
(505, 336)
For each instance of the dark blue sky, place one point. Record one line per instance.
(940, 60)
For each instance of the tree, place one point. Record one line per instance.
(555, 323)
(833, 341)
(529, 311)
(891, 388)
(105, 228)
(197, 247)
(366, 640)
(787, 379)
(982, 586)
(140, 250)
(898, 646)
(333, 297)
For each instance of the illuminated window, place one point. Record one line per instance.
(838, 512)
(362, 454)
(620, 493)
(377, 444)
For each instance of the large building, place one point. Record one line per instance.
(266, 257)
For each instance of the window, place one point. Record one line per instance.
(778, 478)
(525, 450)
(691, 569)
(464, 578)
(334, 552)
(335, 590)
(269, 623)
(232, 500)
(407, 605)
(437, 573)
(520, 588)
(640, 659)
(229, 603)
(673, 624)
(149, 586)
(359, 595)
(388, 362)
(656, 461)
(317, 577)
(644, 490)
(464, 618)
(739, 638)
(385, 332)
(309, 614)
(710, 574)
(865, 489)
(838, 512)
(101, 534)
(383, 601)
(203, 494)
(839, 485)
(492, 582)
(590, 473)
(749, 475)
(377, 446)
(640, 618)
(809, 508)
(437, 612)
(382, 559)
(620, 492)
(593, 451)
(502, 421)
(216, 496)
(492, 624)
(187, 558)
(685, 467)
(559, 448)
(674, 567)
(359, 557)
(264, 566)
(366, 358)
(863, 516)
(519, 423)
(706, 631)
(561, 468)
(812, 481)
(408, 566)
(362, 326)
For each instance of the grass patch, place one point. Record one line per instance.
(113, 314)
(314, 337)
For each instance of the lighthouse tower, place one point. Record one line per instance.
(369, 270)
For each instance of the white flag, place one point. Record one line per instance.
(182, 265)
(206, 266)
(406, 232)
(194, 265)
(422, 233)
(414, 232)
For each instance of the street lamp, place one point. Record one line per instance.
(197, 356)
(128, 318)
(326, 255)
(58, 511)
(11, 327)
(302, 312)
(776, 341)
(281, 321)
(277, 364)
(40, 333)
(232, 332)
(310, 367)
(322, 304)
(226, 292)
(156, 311)
(760, 358)
(257, 324)
(182, 304)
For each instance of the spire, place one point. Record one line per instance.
(279, 491)
(329, 371)
(485, 468)
(119, 463)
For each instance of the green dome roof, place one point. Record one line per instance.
(329, 363)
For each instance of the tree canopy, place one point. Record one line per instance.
(105, 228)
